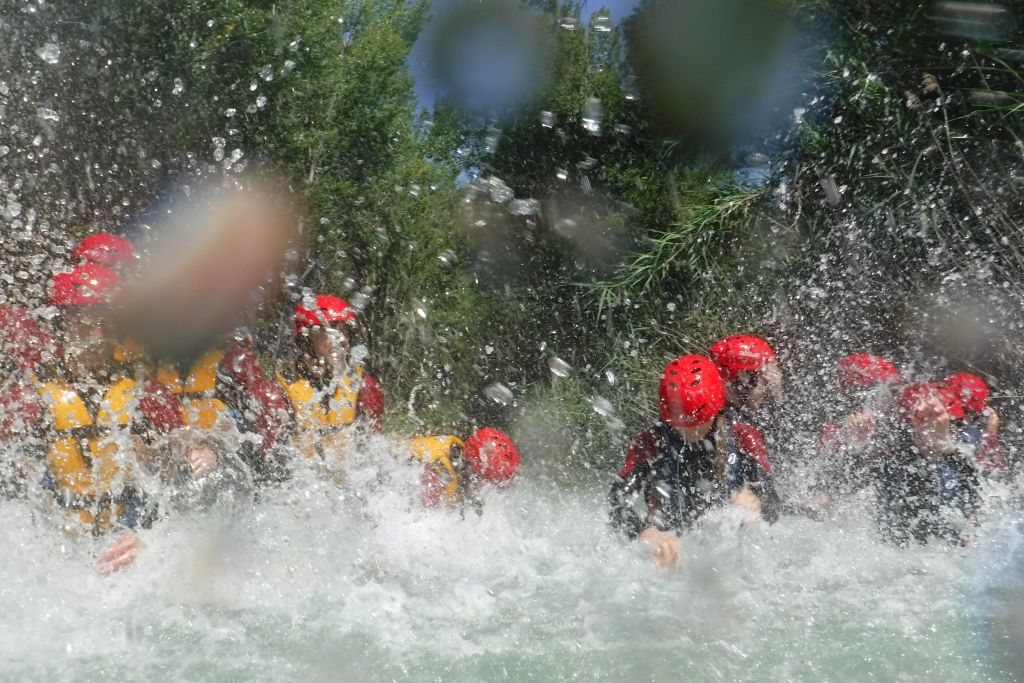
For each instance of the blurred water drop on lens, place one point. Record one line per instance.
(603, 23)
(547, 119)
(973, 20)
(421, 309)
(559, 367)
(179, 87)
(500, 394)
(569, 23)
(715, 70)
(216, 257)
(49, 53)
(490, 55)
(593, 113)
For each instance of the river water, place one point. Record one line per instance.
(316, 583)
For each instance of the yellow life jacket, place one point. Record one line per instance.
(436, 452)
(200, 408)
(80, 459)
(128, 351)
(316, 422)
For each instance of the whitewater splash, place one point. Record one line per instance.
(318, 583)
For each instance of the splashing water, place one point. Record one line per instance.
(359, 583)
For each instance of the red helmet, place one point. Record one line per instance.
(971, 390)
(919, 390)
(22, 340)
(329, 309)
(105, 249)
(865, 370)
(692, 392)
(492, 455)
(741, 353)
(86, 285)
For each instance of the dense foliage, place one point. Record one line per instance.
(605, 220)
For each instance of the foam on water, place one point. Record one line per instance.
(318, 583)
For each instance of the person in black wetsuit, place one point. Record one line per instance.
(849, 446)
(690, 461)
(977, 421)
(928, 486)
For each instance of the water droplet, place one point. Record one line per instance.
(593, 113)
(179, 87)
(288, 65)
(359, 301)
(421, 310)
(49, 53)
(500, 192)
(757, 159)
(610, 376)
(218, 148)
(629, 89)
(47, 114)
(448, 258)
(602, 23)
(294, 45)
(267, 72)
(622, 129)
(603, 406)
(253, 84)
(230, 113)
(499, 393)
(488, 349)
(524, 207)
(559, 367)
(568, 23)
(261, 101)
(491, 140)
(547, 119)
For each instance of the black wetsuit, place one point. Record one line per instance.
(921, 497)
(679, 483)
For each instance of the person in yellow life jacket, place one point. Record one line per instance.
(119, 255)
(328, 387)
(197, 390)
(97, 421)
(454, 471)
(25, 349)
